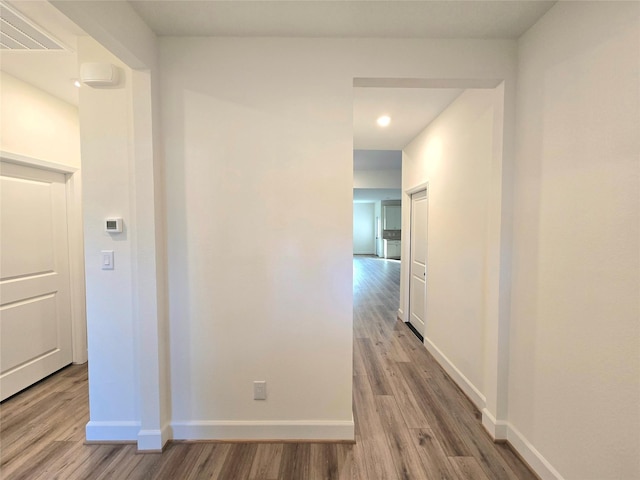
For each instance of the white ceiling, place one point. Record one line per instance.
(51, 71)
(355, 19)
(410, 109)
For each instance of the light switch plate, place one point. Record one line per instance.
(260, 390)
(107, 259)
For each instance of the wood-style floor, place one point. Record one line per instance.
(412, 422)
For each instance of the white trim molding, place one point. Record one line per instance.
(153, 440)
(123, 431)
(417, 188)
(496, 428)
(499, 430)
(531, 455)
(36, 162)
(76, 268)
(321, 430)
(470, 390)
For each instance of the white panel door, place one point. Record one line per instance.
(364, 229)
(35, 313)
(418, 261)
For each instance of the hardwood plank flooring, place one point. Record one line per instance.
(412, 421)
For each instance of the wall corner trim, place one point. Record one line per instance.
(121, 431)
(153, 439)
(498, 429)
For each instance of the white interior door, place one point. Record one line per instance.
(35, 313)
(418, 263)
(364, 229)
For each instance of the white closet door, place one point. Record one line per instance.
(35, 313)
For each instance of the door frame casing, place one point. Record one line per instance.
(75, 245)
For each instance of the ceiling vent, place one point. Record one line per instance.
(19, 33)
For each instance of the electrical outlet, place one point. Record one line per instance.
(260, 390)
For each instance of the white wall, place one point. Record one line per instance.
(454, 155)
(123, 33)
(364, 238)
(258, 159)
(575, 339)
(377, 169)
(36, 124)
(106, 151)
(128, 383)
(251, 145)
(230, 105)
(259, 204)
(385, 178)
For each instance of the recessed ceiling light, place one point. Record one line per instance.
(384, 120)
(77, 83)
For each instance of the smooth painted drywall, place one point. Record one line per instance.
(259, 199)
(118, 28)
(377, 178)
(259, 217)
(377, 169)
(364, 239)
(224, 89)
(120, 142)
(36, 124)
(107, 137)
(454, 155)
(259, 208)
(575, 331)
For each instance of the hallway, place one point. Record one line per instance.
(412, 422)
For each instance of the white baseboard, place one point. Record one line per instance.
(112, 431)
(533, 457)
(501, 430)
(154, 440)
(401, 314)
(478, 399)
(496, 428)
(264, 430)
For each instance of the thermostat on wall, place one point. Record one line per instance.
(113, 225)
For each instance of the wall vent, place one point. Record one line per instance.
(19, 33)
